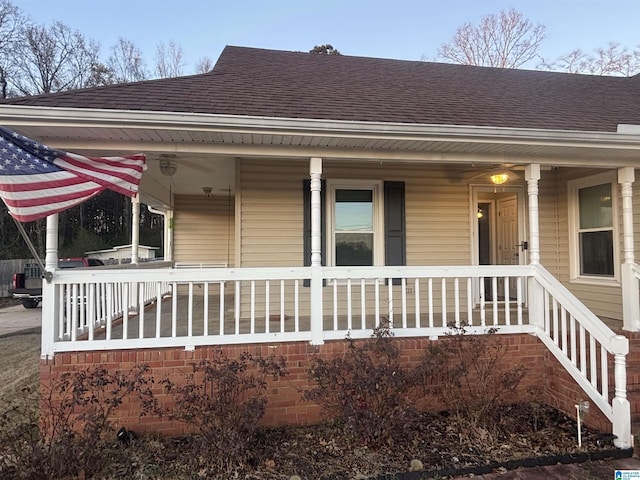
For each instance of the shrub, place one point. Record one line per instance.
(66, 438)
(368, 389)
(471, 377)
(224, 399)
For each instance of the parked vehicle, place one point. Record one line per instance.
(27, 285)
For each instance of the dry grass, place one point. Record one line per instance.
(19, 364)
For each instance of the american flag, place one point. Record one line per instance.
(37, 181)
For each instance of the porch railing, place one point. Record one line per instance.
(187, 307)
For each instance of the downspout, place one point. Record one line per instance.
(168, 232)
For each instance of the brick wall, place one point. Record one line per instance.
(546, 378)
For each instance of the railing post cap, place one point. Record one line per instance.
(620, 345)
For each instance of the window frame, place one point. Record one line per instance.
(573, 188)
(377, 189)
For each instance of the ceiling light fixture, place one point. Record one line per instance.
(168, 165)
(499, 178)
(207, 191)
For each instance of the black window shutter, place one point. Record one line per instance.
(394, 226)
(306, 195)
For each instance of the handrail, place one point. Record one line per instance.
(578, 352)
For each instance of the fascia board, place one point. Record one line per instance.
(17, 115)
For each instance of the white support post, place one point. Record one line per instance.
(532, 175)
(315, 170)
(168, 236)
(50, 300)
(535, 293)
(620, 404)
(630, 292)
(135, 228)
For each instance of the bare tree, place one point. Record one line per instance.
(12, 23)
(505, 40)
(326, 49)
(126, 63)
(612, 60)
(55, 58)
(204, 65)
(169, 60)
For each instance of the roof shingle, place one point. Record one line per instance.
(268, 83)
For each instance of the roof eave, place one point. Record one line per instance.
(627, 136)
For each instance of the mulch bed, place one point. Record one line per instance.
(521, 435)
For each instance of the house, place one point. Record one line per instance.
(306, 196)
(122, 254)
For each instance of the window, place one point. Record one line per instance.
(362, 223)
(356, 228)
(594, 238)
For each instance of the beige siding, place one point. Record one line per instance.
(437, 218)
(604, 300)
(204, 230)
(437, 211)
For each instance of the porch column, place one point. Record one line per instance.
(532, 175)
(535, 293)
(135, 228)
(630, 295)
(49, 298)
(315, 171)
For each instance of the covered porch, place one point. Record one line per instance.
(159, 306)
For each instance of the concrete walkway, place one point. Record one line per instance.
(17, 318)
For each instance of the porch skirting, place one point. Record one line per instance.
(546, 380)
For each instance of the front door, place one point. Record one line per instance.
(508, 248)
(498, 234)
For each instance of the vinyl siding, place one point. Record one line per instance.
(437, 211)
(437, 218)
(603, 299)
(204, 230)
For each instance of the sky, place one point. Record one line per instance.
(398, 29)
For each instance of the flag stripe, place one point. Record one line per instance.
(29, 214)
(17, 183)
(113, 176)
(15, 199)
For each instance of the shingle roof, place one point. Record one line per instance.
(257, 82)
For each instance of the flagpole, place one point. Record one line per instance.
(45, 274)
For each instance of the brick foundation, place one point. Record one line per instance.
(545, 377)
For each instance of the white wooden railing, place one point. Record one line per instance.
(187, 307)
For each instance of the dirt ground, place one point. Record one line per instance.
(19, 360)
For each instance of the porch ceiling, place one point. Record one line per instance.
(205, 146)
